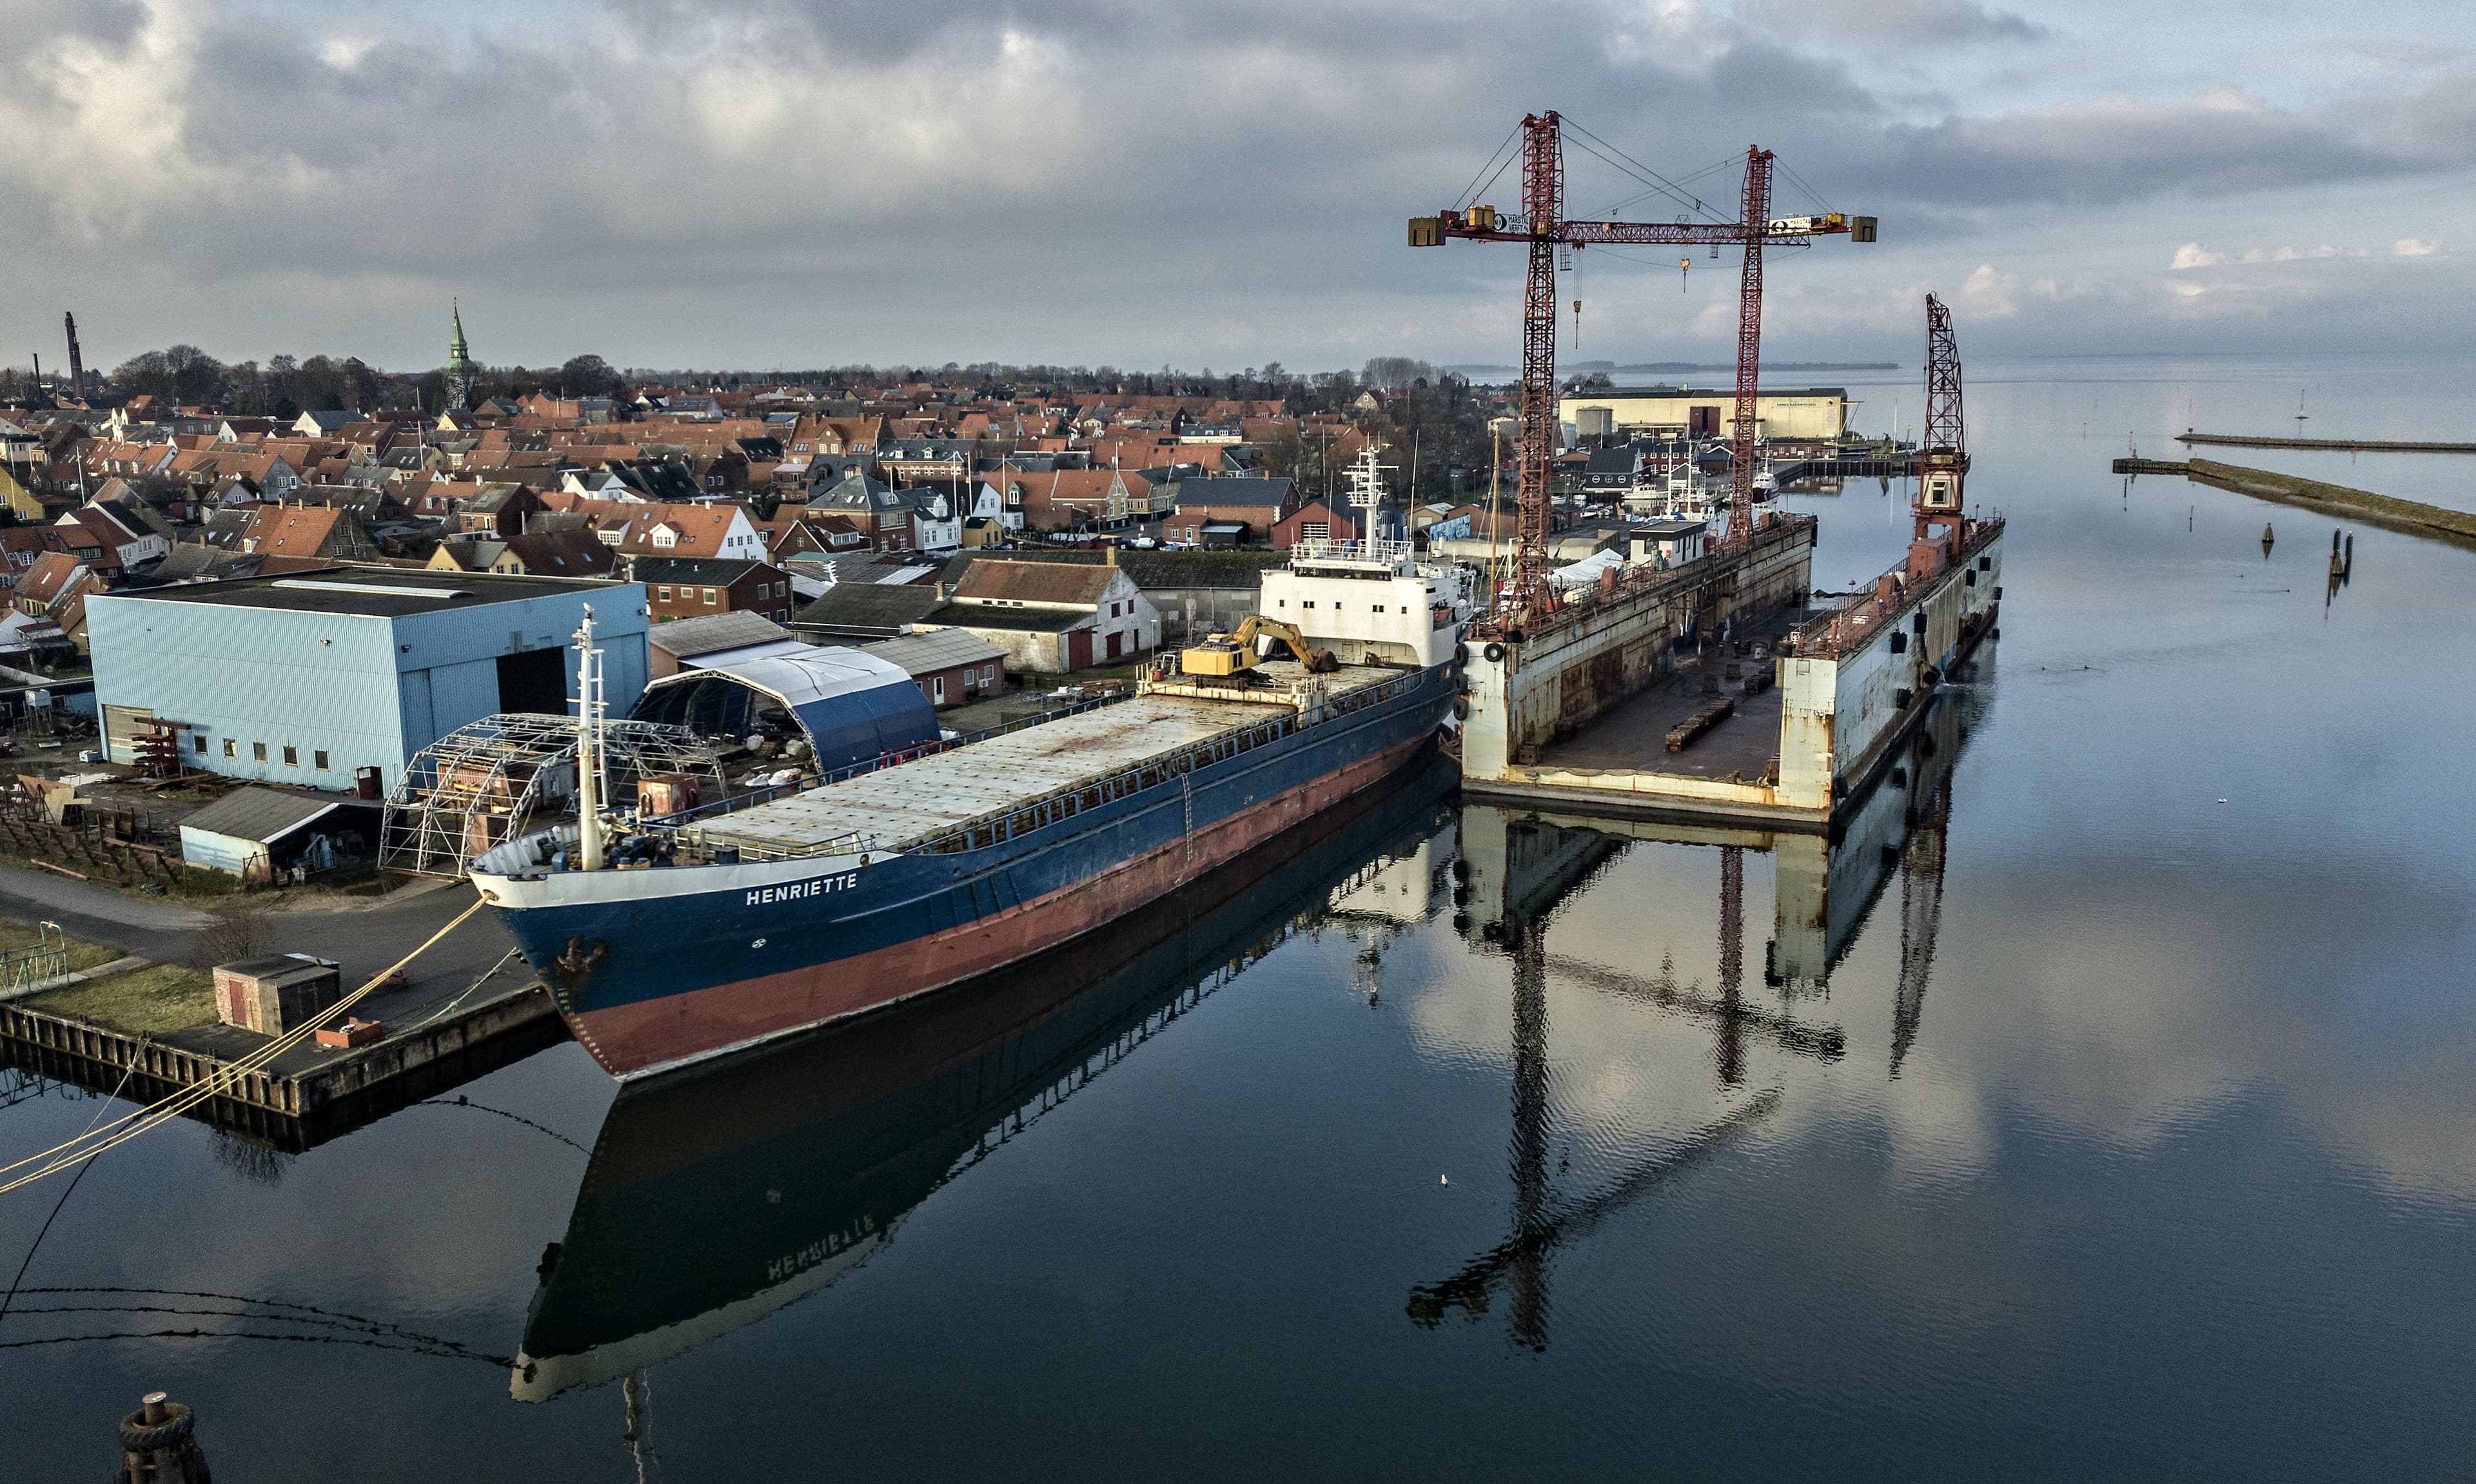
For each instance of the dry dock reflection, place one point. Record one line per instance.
(1518, 868)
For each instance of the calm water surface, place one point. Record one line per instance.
(2100, 1108)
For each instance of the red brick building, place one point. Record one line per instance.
(680, 587)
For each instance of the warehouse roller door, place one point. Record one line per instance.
(121, 725)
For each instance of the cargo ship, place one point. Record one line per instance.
(669, 940)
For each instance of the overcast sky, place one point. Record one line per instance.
(1211, 183)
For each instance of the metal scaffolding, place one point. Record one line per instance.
(505, 775)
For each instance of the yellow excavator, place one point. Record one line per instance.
(1233, 653)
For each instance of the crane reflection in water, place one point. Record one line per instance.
(1518, 868)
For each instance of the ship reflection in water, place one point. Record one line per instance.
(1518, 867)
(719, 1195)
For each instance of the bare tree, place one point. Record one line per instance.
(235, 930)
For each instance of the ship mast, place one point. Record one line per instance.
(588, 747)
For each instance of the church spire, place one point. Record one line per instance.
(459, 373)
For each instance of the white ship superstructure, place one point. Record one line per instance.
(1369, 600)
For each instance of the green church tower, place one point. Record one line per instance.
(459, 373)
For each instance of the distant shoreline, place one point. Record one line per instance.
(1666, 367)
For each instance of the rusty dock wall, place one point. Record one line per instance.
(306, 1097)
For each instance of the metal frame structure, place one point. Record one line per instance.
(1545, 227)
(1943, 450)
(502, 765)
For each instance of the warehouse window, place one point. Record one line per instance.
(665, 590)
(258, 752)
(292, 757)
(988, 675)
(200, 739)
(231, 748)
(709, 597)
(318, 760)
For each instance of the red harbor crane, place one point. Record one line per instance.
(1943, 454)
(1543, 225)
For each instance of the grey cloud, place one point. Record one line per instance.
(1096, 179)
(1903, 22)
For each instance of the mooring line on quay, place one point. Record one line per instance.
(61, 1156)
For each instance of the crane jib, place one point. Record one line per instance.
(1542, 223)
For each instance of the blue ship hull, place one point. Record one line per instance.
(653, 968)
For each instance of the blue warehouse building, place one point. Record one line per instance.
(312, 680)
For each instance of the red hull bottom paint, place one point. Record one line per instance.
(632, 1039)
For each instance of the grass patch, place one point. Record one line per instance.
(149, 1000)
(14, 936)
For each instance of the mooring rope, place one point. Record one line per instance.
(93, 1142)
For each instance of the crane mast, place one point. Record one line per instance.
(1943, 454)
(1543, 192)
(1750, 344)
(1545, 228)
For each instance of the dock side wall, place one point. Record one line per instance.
(1837, 715)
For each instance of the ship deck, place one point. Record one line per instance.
(899, 807)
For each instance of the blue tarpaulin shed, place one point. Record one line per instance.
(850, 705)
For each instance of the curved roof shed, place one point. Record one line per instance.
(852, 706)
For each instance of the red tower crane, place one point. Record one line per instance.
(1943, 454)
(1545, 226)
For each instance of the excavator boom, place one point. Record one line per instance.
(1230, 654)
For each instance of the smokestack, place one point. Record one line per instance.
(77, 360)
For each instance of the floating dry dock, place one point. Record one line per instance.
(1578, 716)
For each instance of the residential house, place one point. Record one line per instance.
(324, 424)
(543, 553)
(680, 587)
(1054, 617)
(21, 545)
(1245, 509)
(123, 540)
(1611, 473)
(886, 513)
(708, 531)
(793, 531)
(936, 522)
(1079, 500)
(14, 497)
(55, 589)
(329, 532)
(1314, 521)
(499, 510)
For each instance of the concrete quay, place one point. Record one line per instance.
(467, 1009)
